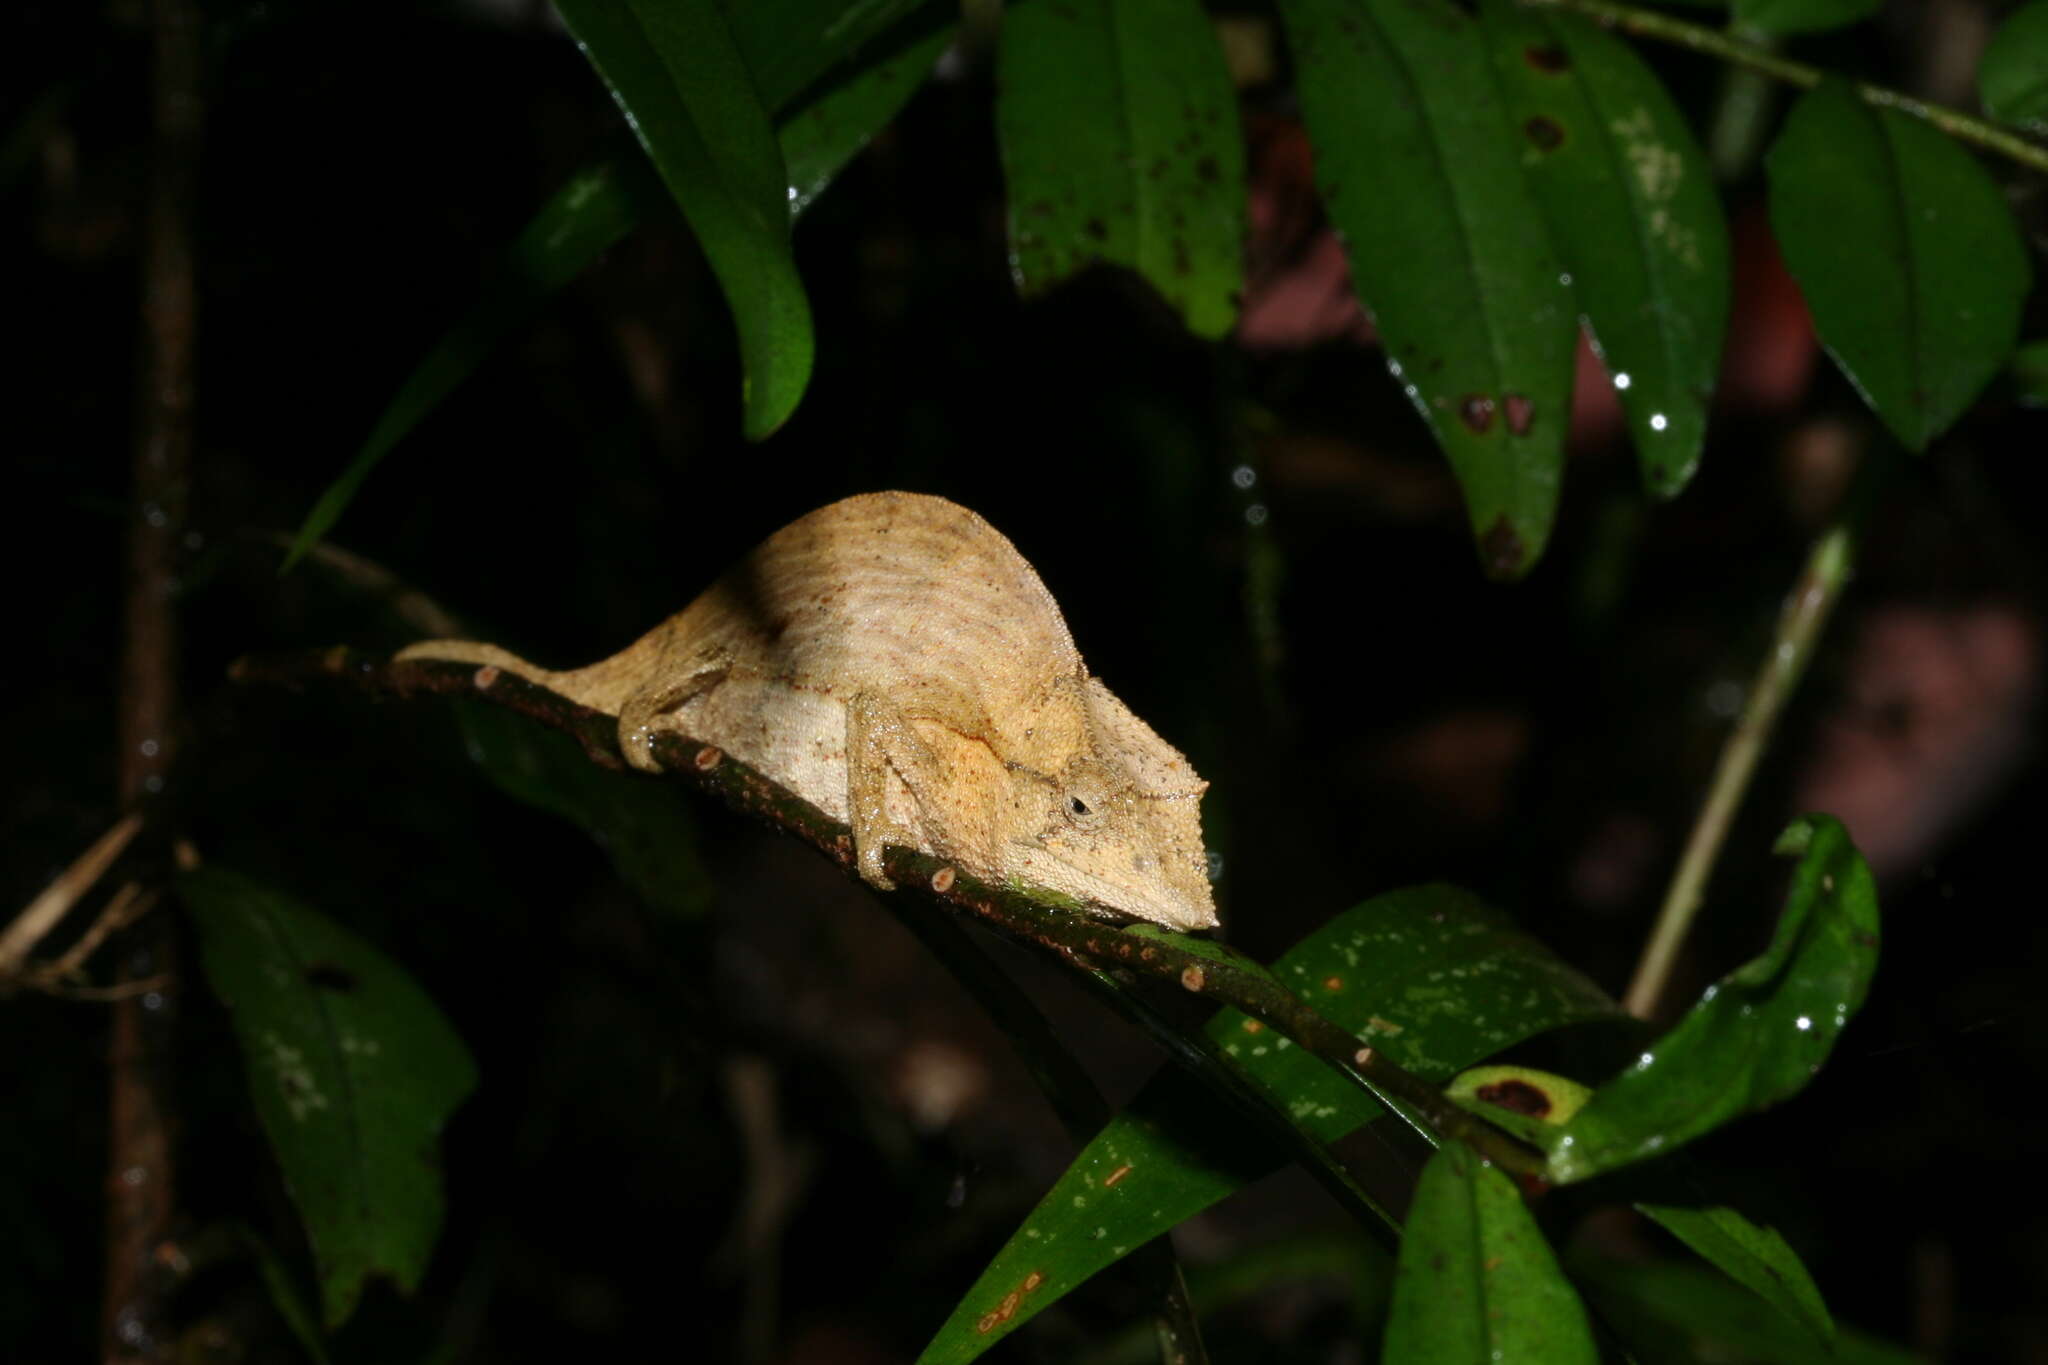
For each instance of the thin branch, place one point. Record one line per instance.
(1643, 23)
(141, 1111)
(1084, 942)
(1800, 621)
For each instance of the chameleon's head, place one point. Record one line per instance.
(1120, 824)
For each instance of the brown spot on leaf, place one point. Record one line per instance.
(1253, 1026)
(1544, 132)
(1333, 983)
(1109, 1182)
(1547, 57)
(329, 977)
(1520, 1096)
(708, 757)
(1502, 548)
(1098, 229)
(1521, 412)
(1192, 979)
(1475, 410)
(942, 880)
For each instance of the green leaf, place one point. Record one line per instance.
(676, 73)
(1673, 1313)
(645, 827)
(1756, 1257)
(1476, 1283)
(1781, 17)
(1439, 223)
(1633, 212)
(1431, 975)
(283, 1289)
(353, 1072)
(792, 47)
(819, 139)
(1121, 143)
(2012, 77)
(596, 208)
(1906, 252)
(1757, 1036)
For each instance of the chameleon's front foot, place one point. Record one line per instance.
(636, 738)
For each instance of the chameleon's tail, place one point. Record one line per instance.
(476, 652)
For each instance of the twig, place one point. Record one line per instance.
(141, 1190)
(1643, 23)
(1800, 621)
(1086, 942)
(45, 912)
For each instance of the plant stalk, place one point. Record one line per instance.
(1800, 621)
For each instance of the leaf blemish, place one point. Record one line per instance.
(1519, 1096)
(1475, 410)
(1521, 413)
(1547, 57)
(1109, 1181)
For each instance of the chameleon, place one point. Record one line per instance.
(893, 660)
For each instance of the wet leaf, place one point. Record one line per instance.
(353, 1072)
(1476, 1283)
(1635, 218)
(678, 77)
(1436, 216)
(1756, 1037)
(1673, 1313)
(644, 827)
(1907, 254)
(1121, 144)
(596, 208)
(1755, 1257)
(1431, 975)
(1781, 17)
(2012, 77)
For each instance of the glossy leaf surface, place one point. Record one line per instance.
(645, 827)
(1906, 252)
(823, 135)
(1757, 1036)
(677, 75)
(1753, 1256)
(1634, 215)
(2012, 76)
(353, 1072)
(1121, 144)
(1431, 975)
(1475, 1282)
(1437, 220)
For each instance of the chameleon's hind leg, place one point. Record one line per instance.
(954, 805)
(653, 707)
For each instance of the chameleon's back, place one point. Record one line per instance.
(881, 591)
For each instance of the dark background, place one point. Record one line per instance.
(1371, 712)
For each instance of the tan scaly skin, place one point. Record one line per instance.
(894, 661)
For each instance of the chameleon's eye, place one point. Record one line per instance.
(1083, 810)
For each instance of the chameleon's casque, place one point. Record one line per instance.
(893, 660)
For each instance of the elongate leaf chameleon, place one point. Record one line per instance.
(894, 661)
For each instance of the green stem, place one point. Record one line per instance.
(1800, 621)
(1642, 23)
(1742, 113)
